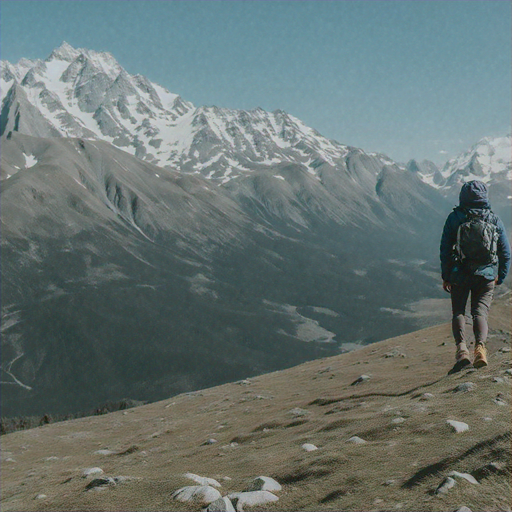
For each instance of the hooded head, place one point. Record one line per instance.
(474, 195)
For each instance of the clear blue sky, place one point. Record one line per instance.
(412, 79)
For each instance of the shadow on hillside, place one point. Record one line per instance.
(445, 463)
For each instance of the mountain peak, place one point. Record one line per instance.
(64, 52)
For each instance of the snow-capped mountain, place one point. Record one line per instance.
(489, 160)
(87, 94)
(427, 171)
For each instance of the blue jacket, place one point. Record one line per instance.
(473, 196)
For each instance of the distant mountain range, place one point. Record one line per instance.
(87, 94)
(150, 247)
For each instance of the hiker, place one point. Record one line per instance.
(475, 257)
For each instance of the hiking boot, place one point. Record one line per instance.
(461, 358)
(480, 357)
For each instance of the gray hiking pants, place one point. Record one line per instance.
(482, 291)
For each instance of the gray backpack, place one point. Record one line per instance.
(477, 240)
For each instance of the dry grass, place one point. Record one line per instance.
(158, 443)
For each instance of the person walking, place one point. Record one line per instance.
(475, 257)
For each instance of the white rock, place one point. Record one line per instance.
(465, 476)
(202, 493)
(360, 380)
(263, 483)
(104, 452)
(463, 509)
(426, 396)
(498, 380)
(202, 480)
(41, 497)
(51, 458)
(446, 485)
(250, 499)
(464, 387)
(100, 483)
(398, 420)
(458, 426)
(297, 412)
(220, 505)
(91, 471)
(209, 441)
(356, 440)
(487, 418)
(309, 447)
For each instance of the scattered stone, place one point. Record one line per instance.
(202, 480)
(234, 444)
(297, 412)
(498, 380)
(220, 505)
(309, 447)
(245, 382)
(463, 509)
(250, 499)
(487, 418)
(446, 485)
(465, 476)
(508, 371)
(504, 350)
(102, 482)
(202, 493)
(10, 459)
(458, 426)
(91, 471)
(398, 420)
(360, 380)
(499, 401)
(104, 452)
(389, 482)
(376, 501)
(394, 353)
(263, 483)
(41, 497)
(426, 396)
(464, 387)
(48, 459)
(209, 441)
(356, 440)
(125, 479)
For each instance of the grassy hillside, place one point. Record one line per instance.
(259, 426)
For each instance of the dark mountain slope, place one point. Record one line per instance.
(124, 280)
